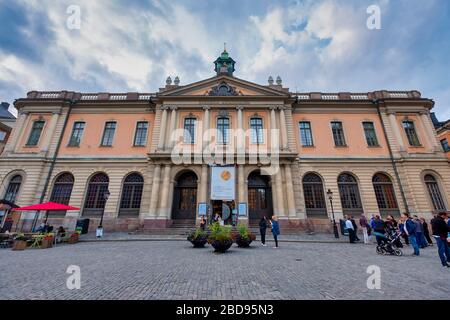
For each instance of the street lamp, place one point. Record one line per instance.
(106, 195)
(335, 228)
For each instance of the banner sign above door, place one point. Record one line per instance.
(223, 183)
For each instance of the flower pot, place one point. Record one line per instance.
(19, 245)
(221, 246)
(243, 242)
(198, 242)
(73, 239)
(47, 243)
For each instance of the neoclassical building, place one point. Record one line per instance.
(377, 152)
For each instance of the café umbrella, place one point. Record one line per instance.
(48, 206)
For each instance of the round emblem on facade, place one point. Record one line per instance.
(225, 175)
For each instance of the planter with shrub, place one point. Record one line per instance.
(198, 238)
(47, 241)
(244, 236)
(20, 242)
(220, 237)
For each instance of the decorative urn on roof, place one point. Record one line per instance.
(224, 65)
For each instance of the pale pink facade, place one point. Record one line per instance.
(375, 151)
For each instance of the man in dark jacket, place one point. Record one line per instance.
(355, 227)
(440, 233)
(379, 227)
(410, 230)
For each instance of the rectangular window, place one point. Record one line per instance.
(371, 135)
(189, 130)
(140, 138)
(2, 135)
(35, 133)
(338, 134)
(77, 133)
(445, 145)
(223, 128)
(306, 134)
(256, 130)
(411, 133)
(108, 134)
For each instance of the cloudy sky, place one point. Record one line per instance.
(133, 45)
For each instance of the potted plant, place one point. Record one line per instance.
(20, 242)
(244, 236)
(198, 238)
(220, 237)
(74, 237)
(47, 241)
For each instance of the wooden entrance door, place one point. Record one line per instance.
(185, 197)
(259, 196)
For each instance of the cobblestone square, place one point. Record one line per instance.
(174, 270)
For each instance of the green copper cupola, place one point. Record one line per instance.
(224, 65)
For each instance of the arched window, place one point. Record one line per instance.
(223, 128)
(62, 190)
(314, 196)
(384, 192)
(434, 192)
(95, 197)
(13, 188)
(131, 195)
(349, 192)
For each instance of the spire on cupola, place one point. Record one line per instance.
(224, 65)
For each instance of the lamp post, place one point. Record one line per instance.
(335, 228)
(106, 195)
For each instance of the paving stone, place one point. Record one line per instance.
(174, 270)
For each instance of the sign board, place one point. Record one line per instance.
(242, 209)
(202, 209)
(223, 183)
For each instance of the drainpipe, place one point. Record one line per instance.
(391, 156)
(52, 164)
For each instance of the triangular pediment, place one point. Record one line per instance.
(222, 86)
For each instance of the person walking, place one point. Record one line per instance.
(364, 226)
(355, 227)
(350, 229)
(275, 230)
(262, 230)
(426, 231)
(419, 233)
(410, 230)
(379, 226)
(401, 227)
(440, 233)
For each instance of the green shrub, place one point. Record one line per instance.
(219, 233)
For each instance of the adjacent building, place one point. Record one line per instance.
(7, 121)
(139, 159)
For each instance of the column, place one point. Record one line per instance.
(274, 136)
(241, 184)
(204, 184)
(289, 191)
(164, 204)
(396, 131)
(284, 136)
(279, 192)
(155, 190)
(206, 138)
(429, 131)
(240, 136)
(49, 133)
(173, 122)
(162, 128)
(16, 132)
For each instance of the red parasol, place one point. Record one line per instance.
(48, 206)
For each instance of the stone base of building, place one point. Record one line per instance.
(133, 224)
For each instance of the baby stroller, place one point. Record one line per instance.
(387, 246)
